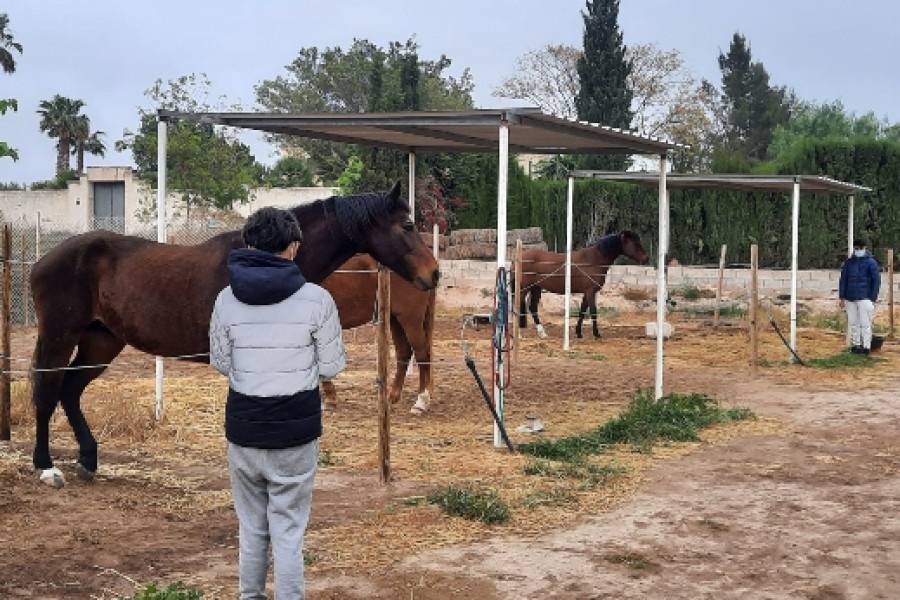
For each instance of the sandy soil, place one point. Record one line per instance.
(800, 503)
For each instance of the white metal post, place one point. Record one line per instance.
(569, 197)
(795, 237)
(850, 234)
(412, 185)
(502, 181)
(161, 132)
(663, 219)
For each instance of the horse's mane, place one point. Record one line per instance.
(610, 245)
(355, 213)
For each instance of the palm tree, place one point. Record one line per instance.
(7, 44)
(86, 141)
(60, 119)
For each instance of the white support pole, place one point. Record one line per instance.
(850, 237)
(568, 298)
(661, 274)
(850, 234)
(412, 185)
(502, 182)
(161, 132)
(795, 237)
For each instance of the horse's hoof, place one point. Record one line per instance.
(83, 473)
(53, 477)
(542, 333)
(578, 335)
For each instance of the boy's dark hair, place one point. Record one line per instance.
(271, 229)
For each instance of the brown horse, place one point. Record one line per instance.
(99, 291)
(543, 270)
(354, 286)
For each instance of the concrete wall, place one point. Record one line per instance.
(770, 282)
(73, 209)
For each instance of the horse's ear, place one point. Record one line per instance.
(395, 191)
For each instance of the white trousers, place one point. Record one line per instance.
(859, 320)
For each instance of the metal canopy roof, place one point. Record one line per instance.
(477, 131)
(808, 183)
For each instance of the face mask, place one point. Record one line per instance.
(859, 253)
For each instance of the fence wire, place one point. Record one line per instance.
(30, 240)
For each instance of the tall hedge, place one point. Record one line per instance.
(703, 220)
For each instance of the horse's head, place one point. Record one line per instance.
(380, 225)
(632, 246)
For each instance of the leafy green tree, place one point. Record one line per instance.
(208, 165)
(7, 45)
(752, 108)
(6, 149)
(364, 78)
(8, 62)
(603, 70)
(61, 119)
(826, 121)
(290, 171)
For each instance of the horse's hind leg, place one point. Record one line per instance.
(534, 299)
(97, 346)
(46, 385)
(593, 308)
(523, 314)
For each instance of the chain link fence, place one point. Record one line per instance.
(31, 239)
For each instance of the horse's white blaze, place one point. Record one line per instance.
(540, 331)
(53, 477)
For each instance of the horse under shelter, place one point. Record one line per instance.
(793, 184)
(517, 130)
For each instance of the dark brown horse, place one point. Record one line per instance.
(544, 270)
(99, 291)
(354, 287)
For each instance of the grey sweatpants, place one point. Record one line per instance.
(272, 491)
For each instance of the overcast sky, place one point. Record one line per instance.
(108, 53)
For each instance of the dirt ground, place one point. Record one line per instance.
(801, 502)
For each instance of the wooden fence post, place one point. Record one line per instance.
(890, 270)
(754, 301)
(719, 288)
(5, 396)
(381, 338)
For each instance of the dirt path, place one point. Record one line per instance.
(804, 506)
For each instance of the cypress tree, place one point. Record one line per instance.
(752, 108)
(603, 70)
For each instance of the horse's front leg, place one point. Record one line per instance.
(582, 311)
(534, 300)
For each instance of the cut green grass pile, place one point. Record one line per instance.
(646, 421)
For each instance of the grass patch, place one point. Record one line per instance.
(174, 591)
(578, 468)
(836, 321)
(844, 360)
(646, 421)
(471, 503)
(714, 525)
